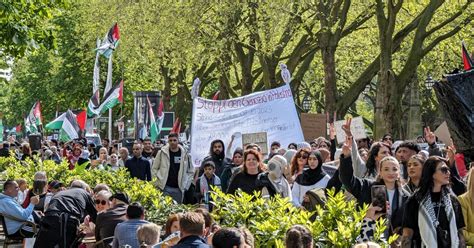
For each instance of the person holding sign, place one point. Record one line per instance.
(246, 180)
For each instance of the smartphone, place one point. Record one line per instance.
(38, 186)
(379, 197)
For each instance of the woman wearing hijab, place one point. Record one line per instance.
(309, 179)
(433, 216)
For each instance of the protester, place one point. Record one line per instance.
(404, 152)
(125, 232)
(173, 169)
(191, 226)
(205, 182)
(25, 151)
(298, 236)
(55, 155)
(172, 230)
(208, 223)
(62, 218)
(123, 156)
(103, 158)
(112, 164)
(228, 238)
(414, 167)
(433, 214)
(23, 191)
(273, 182)
(79, 159)
(12, 209)
(216, 155)
(138, 166)
(147, 149)
(108, 220)
(40, 188)
(298, 163)
(388, 176)
(232, 168)
(387, 139)
(467, 203)
(292, 146)
(148, 235)
(102, 201)
(311, 178)
(246, 180)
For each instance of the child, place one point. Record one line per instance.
(23, 192)
(204, 183)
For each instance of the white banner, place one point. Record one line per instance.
(357, 129)
(272, 111)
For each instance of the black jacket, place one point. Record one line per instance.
(192, 241)
(361, 189)
(139, 168)
(75, 201)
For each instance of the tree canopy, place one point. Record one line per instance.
(334, 50)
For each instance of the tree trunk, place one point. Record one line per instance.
(329, 61)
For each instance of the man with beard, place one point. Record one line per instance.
(148, 150)
(216, 155)
(173, 169)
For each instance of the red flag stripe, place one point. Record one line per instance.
(466, 59)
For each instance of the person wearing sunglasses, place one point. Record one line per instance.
(101, 200)
(298, 163)
(433, 216)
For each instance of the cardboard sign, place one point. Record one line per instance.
(357, 128)
(256, 138)
(182, 137)
(442, 132)
(313, 125)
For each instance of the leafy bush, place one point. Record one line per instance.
(336, 225)
(158, 206)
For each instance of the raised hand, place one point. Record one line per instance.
(332, 128)
(430, 137)
(347, 127)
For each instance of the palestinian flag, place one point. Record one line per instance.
(110, 41)
(33, 120)
(93, 105)
(67, 124)
(70, 128)
(153, 127)
(161, 117)
(113, 97)
(466, 59)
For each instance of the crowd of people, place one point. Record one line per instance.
(426, 195)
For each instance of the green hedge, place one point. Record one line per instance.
(337, 225)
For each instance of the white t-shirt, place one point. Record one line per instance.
(391, 193)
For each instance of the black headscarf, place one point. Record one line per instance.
(312, 176)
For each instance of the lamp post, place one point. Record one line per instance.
(429, 82)
(307, 104)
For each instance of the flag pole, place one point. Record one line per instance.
(110, 125)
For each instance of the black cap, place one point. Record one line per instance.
(122, 196)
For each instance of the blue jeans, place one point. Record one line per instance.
(174, 193)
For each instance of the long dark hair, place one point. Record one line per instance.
(427, 182)
(294, 160)
(371, 163)
(298, 236)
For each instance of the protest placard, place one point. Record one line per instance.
(256, 138)
(357, 128)
(313, 125)
(271, 111)
(442, 132)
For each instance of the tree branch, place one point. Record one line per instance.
(449, 20)
(446, 35)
